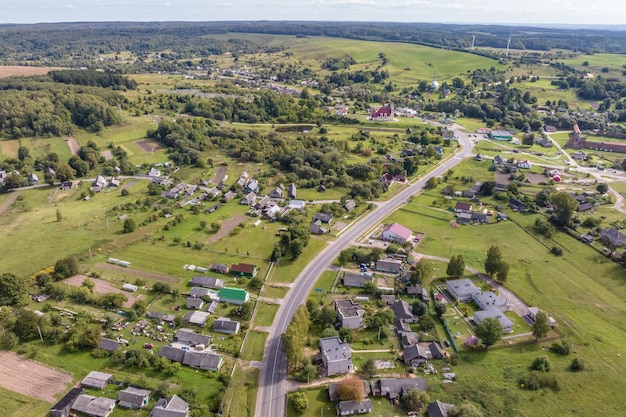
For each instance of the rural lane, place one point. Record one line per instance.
(273, 386)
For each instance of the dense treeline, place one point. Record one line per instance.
(92, 78)
(37, 107)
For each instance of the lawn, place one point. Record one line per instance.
(254, 345)
(323, 286)
(320, 405)
(274, 291)
(287, 270)
(265, 312)
(17, 405)
(240, 397)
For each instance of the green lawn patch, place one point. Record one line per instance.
(272, 291)
(323, 285)
(287, 269)
(254, 346)
(265, 313)
(240, 397)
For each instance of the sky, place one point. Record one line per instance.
(534, 12)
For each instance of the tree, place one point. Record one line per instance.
(25, 326)
(541, 327)
(369, 367)
(12, 289)
(503, 272)
(432, 182)
(295, 247)
(129, 226)
(351, 389)
(300, 401)
(22, 153)
(489, 331)
(328, 316)
(465, 410)
(487, 188)
(140, 307)
(564, 207)
(59, 215)
(577, 365)
(64, 172)
(295, 337)
(494, 257)
(415, 399)
(422, 270)
(66, 267)
(602, 188)
(162, 287)
(426, 323)
(541, 363)
(419, 308)
(456, 266)
(528, 139)
(440, 309)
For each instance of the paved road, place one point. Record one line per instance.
(273, 387)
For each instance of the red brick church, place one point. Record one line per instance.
(576, 141)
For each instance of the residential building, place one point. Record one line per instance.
(486, 300)
(206, 360)
(191, 338)
(63, 407)
(419, 353)
(226, 325)
(462, 289)
(350, 408)
(419, 292)
(173, 406)
(349, 314)
(95, 379)
(323, 217)
(276, 193)
(233, 295)
(244, 270)
(613, 237)
(248, 199)
(198, 292)
(403, 311)
(194, 303)
(505, 322)
(93, 406)
(438, 409)
(196, 318)
(393, 388)
(393, 266)
(292, 192)
(525, 164)
(349, 205)
(296, 204)
(207, 282)
(221, 268)
(517, 205)
(409, 339)
(317, 229)
(357, 280)
(133, 398)
(396, 233)
(462, 206)
(336, 356)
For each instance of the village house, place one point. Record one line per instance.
(396, 233)
(244, 270)
(207, 282)
(221, 268)
(613, 237)
(349, 314)
(93, 406)
(226, 325)
(173, 406)
(462, 206)
(323, 217)
(191, 338)
(486, 300)
(383, 113)
(393, 388)
(492, 312)
(206, 360)
(349, 205)
(525, 164)
(438, 409)
(357, 280)
(403, 311)
(194, 303)
(133, 398)
(233, 295)
(422, 352)
(196, 318)
(419, 292)
(292, 191)
(109, 344)
(393, 266)
(276, 193)
(336, 356)
(462, 289)
(350, 408)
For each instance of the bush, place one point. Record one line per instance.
(562, 347)
(300, 401)
(541, 364)
(577, 365)
(537, 380)
(555, 250)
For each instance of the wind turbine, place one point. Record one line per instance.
(473, 40)
(508, 44)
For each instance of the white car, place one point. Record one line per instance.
(566, 162)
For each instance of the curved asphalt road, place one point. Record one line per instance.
(272, 393)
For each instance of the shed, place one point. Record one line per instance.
(63, 407)
(95, 379)
(133, 398)
(94, 406)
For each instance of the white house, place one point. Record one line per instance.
(524, 164)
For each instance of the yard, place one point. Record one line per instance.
(265, 312)
(240, 397)
(254, 346)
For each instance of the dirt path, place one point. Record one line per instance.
(73, 144)
(227, 227)
(30, 378)
(143, 274)
(219, 175)
(619, 201)
(7, 203)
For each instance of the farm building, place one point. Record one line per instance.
(133, 398)
(394, 387)
(197, 318)
(208, 282)
(63, 407)
(226, 325)
(292, 192)
(172, 353)
(109, 344)
(207, 360)
(173, 406)
(93, 406)
(396, 233)
(389, 265)
(462, 289)
(221, 268)
(501, 135)
(233, 295)
(244, 270)
(194, 303)
(357, 280)
(95, 379)
(350, 408)
(198, 292)
(336, 355)
(438, 409)
(296, 204)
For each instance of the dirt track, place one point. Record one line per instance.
(143, 274)
(7, 203)
(73, 144)
(148, 146)
(32, 379)
(227, 227)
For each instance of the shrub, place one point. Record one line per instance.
(562, 347)
(577, 365)
(541, 364)
(300, 401)
(537, 380)
(555, 250)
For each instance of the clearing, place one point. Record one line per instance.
(148, 146)
(15, 70)
(30, 378)
(108, 155)
(142, 274)
(102, 287)
(73, 144)
(227, 227)
(9, 148)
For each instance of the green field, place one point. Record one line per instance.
(265, 313)
(254, 346)
(240, 398)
